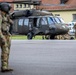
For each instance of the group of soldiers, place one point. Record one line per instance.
(5, 40)
(62, 37)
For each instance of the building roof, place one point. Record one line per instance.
(26, 0)
(6, 0)
(17, 0)
(55, 5)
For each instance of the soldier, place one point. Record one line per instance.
(5, 41)
(75, 29)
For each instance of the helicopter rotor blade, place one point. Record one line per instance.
(25, 2)
(54, 4)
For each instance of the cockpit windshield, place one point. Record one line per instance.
(59, 20)
(51, 20)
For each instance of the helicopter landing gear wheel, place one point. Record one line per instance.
(29, 36)
(52, 36)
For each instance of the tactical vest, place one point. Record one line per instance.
(5, 23)
(0, 21)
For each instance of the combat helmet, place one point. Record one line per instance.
(5, 7)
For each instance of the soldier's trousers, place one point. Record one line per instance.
(5, 50)
(75, 34)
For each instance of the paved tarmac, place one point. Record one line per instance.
(37, 57)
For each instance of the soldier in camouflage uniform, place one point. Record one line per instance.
(5, 41)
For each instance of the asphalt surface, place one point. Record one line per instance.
(51, 57)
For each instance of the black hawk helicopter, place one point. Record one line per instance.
(37, 22)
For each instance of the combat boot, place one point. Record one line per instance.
(7, 70)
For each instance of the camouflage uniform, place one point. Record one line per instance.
(75, 29)
(4, 41)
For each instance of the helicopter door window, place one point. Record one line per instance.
(50, 20)
(38, 22)
(26, 22)
(20, 22)
(43, 21)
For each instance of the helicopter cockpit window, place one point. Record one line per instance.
(43, 21)
(61, 19)
(50, 20)
(26, 22)
(20, 22)
(57, 20)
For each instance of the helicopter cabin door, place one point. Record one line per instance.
(20, 26)
(44, 27)
(30, 25)
(23, 25)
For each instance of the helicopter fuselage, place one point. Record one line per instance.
(33, 23)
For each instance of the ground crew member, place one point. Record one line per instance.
(5, 41)
(75, 29)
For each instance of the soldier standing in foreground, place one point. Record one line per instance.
(5, 41)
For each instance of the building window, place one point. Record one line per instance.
(24, 5)
(63, 1)
(28, 6)
(20, 5)
(74, 17)
(57, 14)
(17, 6)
